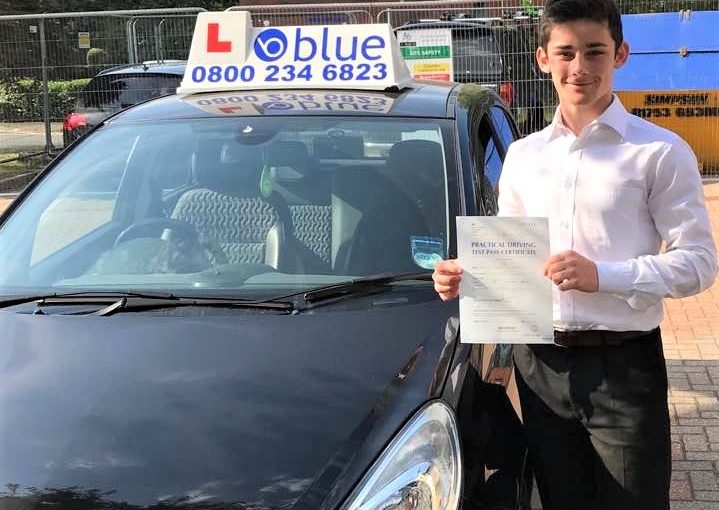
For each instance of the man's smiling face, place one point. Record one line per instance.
(581, 57)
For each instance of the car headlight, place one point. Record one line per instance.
(421, 469)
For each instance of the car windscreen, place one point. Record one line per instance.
(234, 206)
(114, 92)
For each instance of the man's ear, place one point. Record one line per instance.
(542, 60)
(622, 55)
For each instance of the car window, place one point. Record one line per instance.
(231, 205)
(504, 128)
(120, 91)
(492, 162)
(488, 165)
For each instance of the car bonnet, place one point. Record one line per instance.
(264, 410)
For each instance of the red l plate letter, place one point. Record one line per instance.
(214, 45)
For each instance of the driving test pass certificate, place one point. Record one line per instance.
(503, 295)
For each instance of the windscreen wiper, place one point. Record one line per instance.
(325, 293)
(137, 304)
(139, 301)
(356, 286)
(91, 297)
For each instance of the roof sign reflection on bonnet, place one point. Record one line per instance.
(228, 53)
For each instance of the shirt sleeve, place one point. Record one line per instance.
(688, 264)
(509, 201)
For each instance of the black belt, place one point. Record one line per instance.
(598, 338)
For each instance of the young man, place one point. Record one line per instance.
(614, 188)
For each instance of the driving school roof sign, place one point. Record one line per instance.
(228, 53)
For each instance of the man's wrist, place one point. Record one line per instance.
(614, 277)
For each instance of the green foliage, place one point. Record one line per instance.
(529, 8)
(40, 6)
(22, 99)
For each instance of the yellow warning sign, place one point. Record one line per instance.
(692, 114)
(429, 67)
(83, 39)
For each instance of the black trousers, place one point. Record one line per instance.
(597, 424)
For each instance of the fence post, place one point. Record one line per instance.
(160, 43)
(131, 43)
(156, 30)
(45, 91)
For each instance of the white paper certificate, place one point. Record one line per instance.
(503, 296)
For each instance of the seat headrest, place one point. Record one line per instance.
(227, 167)
(416, 154)
(289, 160)
(338, 147)
(287, 153)
(414, 163)
(233, 152)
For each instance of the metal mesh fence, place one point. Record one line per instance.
(46, 62)
(290, 15)
(160, 37)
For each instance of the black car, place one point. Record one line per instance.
(224, 300)
(499, 56)
(116, 88)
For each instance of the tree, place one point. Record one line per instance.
(51, 6)
(67, 60)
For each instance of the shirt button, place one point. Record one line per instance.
(567, 183)
(565, 224)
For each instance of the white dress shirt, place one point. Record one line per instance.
(613, 194)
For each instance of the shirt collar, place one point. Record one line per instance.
(614, 117)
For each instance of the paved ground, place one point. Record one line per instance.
(27, 136)
(691, 346)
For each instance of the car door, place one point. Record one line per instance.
(493, 444)
(491, 129)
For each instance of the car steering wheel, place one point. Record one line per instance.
(154, 227)
(183, 230)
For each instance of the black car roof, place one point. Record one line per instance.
(419, 99)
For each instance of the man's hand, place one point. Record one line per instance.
(446, 276)
(569, 270)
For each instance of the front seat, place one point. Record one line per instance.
(417, 166)
(228, 207)
(400, 204)
(305, 189)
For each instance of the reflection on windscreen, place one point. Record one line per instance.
(230, 203)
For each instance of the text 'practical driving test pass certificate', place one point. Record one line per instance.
(503, 295)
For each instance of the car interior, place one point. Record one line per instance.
(207, 208)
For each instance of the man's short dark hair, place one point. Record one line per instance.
(565, 11)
